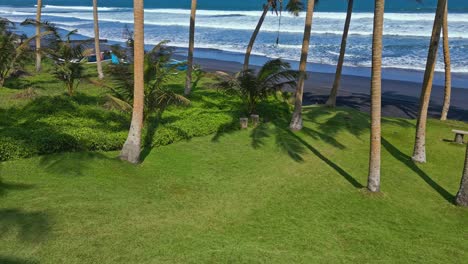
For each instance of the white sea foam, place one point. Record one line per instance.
(406, 34)
(81, 8)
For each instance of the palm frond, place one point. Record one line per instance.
(114, 103)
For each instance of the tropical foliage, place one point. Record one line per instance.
(14, 49)
(252, 87)
(158, 72)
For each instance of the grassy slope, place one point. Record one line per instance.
(257, 196)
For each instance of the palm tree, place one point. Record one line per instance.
(293, 6)
(336, 84)
(419, 152)
(158, 72)
(15, 50)
(38, 36)
(252, 87)
(97, 46)
(462, 195)
(188, 80)
(448, 74)
(132, 147)
(373, 181)
(68, 65)
(296, 122)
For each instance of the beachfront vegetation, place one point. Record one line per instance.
(131, 150)
(36, 117)
(276, 7)
(158, 72)
(373, 180)
(419, 153)
(276, 76)
(331, 102)
(38, 36)
(67, 58)
(253, 196)
(14, 51)
(97, 41)
(278, 192)
(188, 80)
(296, 120)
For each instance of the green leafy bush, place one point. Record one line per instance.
(51, 123)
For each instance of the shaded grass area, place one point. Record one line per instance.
(47, 120)
(263, 195)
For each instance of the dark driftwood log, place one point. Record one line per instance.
(255, 120)
(244, 123)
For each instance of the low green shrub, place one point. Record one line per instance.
(51, 124)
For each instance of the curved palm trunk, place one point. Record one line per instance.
(254, 36)
(97, 45)
(448, 71)
(373, 181)
(296, 122)
(419, 152)
(38, 36)
(132, 147)
(462, 195)
(188, 80)
(339, 69)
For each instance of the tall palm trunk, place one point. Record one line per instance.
(188, 80)
(373, 181)
(448, 70)
(296, 122)
(97, 43)
(266, 7)
(419, 153)
(132, 147)
(38, 36)
(339, 69)
(462, 195)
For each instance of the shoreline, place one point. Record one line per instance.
(459, 79)
(400, 98)
(400, 88)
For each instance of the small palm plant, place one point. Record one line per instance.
(67, 57)
(158, 71)
(273, 77)
(14, 49)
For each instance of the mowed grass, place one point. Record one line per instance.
(263, 195)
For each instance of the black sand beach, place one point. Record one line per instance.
(399, 98)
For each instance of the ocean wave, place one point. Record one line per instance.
(235, 25)
(453, 17)
(82, 8)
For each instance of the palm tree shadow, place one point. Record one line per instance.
(30, 226)
(6, 187)
(295, 147)
(405, 159)
(75, 164)
(14, 260)
(330, 163)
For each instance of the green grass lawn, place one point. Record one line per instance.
(263, 195)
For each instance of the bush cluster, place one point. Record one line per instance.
(52, 124)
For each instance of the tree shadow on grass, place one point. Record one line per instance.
(7, 187)
(405, 159)
(29, 226)
(14, 260)
(72, 164)
(295, 146)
